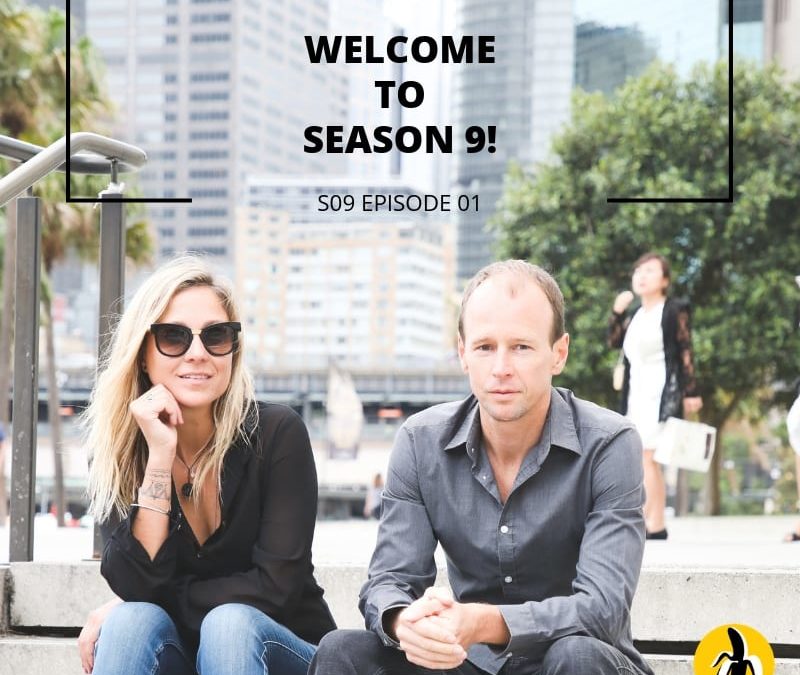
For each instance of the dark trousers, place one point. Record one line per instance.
(360, 652)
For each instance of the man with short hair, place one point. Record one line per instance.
(536, 498)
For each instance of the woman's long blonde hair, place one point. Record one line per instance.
(117, 448)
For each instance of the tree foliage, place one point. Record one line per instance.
(33, 106)
(661, 136)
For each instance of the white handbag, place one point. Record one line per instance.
(687, 445)
(618, 374)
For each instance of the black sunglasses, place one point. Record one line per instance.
(219, 339)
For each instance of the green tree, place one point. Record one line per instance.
(35, 75)
(72, 227)
(660, 135)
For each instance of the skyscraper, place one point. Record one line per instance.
(615, 40)
(606, 55)
(748, 29)
(365, 288)
(681, 32)
(214, 90)
(525, 94)
(781, 31)
(366, 17)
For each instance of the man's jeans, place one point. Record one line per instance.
(139, 638)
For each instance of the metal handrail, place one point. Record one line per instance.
(114, 156)
(22, 151)
(38, 162)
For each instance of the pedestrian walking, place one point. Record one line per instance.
(659, 379)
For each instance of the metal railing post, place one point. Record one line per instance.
(112, 286)
(103, 156)
(26, 379)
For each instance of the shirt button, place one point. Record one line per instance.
(504, 529)
(508, 580)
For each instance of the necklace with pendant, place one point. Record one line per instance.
(188, 487)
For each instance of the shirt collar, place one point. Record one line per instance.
(467, 434)
(562, 423)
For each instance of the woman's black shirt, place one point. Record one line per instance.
(261, 553)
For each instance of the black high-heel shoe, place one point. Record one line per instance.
(660, 534)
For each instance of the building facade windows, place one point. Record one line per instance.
(208, 231)
(211, 37)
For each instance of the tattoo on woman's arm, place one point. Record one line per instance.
(159, 486)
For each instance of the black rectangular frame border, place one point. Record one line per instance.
(701, 200)
(110, 198)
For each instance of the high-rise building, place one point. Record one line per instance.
(366, 17)
(215, 90)
(428, 172)
(617, 39)
(525, 93)
(363, 289)
(609, 54)
(782, 34)
(748, 29)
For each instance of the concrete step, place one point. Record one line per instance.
(672, 605)
(24, 655)
(683, 604)
(20, 655)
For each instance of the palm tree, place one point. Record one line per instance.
(19, 98)
(72, 227)
(20, 89)
(65, 226)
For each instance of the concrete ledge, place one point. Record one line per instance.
(671, 604)
(4, 594)
(681, 665)
(39, 656)
(55, 595)
(61, 595)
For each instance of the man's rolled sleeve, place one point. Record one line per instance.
(402, 566)
(609, 561)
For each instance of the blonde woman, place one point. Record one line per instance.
(206, 499)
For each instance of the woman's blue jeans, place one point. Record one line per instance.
(139, 638)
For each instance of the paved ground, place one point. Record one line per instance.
(741, 542)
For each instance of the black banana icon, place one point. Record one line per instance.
(737, 662)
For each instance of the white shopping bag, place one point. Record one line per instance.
(687, 445)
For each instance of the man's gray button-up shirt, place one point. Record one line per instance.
(560, 557)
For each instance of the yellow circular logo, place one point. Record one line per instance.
(734, 649)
